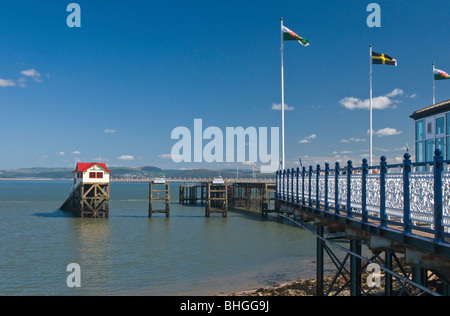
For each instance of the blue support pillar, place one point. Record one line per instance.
(309, 185)
(365, 172)
(406, 195)
(349, 188)
(320, 261)
(292, 186)
(383, 171)
(303, 185)
(287, 184)
(277, 192)
(317, 187)
(336, 188)
(297, 188)
(327, 173)
(438, 169)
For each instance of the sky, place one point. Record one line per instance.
(114, 89)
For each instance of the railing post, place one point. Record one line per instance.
(292, 186)
(336, 189)
(309, 185)
(383, 171)
(317, 186)
(349, 188)
(365, 172)
(327, 173)
(406, 194)
(438, 169)
(277, 196)
(296, 190)
(287, 184)
(303, 185)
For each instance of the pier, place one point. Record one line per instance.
(401, 212)
(258, 196)
(91, 190)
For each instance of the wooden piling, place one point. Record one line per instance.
(159, 188)
(217, 199)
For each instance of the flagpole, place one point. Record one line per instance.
(282, 99)
(371, 110)
(434, 87)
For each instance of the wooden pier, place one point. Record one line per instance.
(192, 194)
(90, 196)
(219, 197)
(91, 193)
(162, 190)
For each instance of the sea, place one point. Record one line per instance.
(131, 254)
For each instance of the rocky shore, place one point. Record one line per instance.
(295, 288)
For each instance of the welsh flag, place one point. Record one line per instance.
(288, 35)
(440, 75)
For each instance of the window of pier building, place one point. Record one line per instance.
(432, 131)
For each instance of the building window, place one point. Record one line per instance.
(420, 130)
(420, 151)
(440, 144)
(440, 125)
(99, 175)
(429, 128)
(448, 124)
(448, 148)
(92, 175)
(429, 152)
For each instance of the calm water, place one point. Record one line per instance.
(130, 254)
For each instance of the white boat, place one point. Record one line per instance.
(218, 180)
(159, 181)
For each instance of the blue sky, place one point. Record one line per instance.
(113, 90)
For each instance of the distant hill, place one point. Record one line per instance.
(148, 171)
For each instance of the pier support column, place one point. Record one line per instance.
(320, 261)
(355, 268)
(388, 276)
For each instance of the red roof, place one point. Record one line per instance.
(83, 167)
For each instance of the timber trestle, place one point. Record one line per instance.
(88, 200)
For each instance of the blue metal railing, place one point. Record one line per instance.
(410, 196)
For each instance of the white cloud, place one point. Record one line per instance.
(109, 131)
(61, 153)
(76, 152)
(352, 139)
(126, 157)
(100, 159)
(31, 73)
(307, 139)
(277, 107)
(395, 93)
(387, 132)
(7, 83)
(379, 103)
